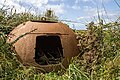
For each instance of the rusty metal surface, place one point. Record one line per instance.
(25, 46)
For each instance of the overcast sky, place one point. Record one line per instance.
(82, 11)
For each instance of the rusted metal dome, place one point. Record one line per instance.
(47, 45)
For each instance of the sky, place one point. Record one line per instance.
(77, 13)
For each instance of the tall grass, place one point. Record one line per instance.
(99, 57)
(100, 51)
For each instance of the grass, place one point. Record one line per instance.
(99, 57)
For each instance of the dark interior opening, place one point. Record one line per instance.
(48, 50)
(43, 21)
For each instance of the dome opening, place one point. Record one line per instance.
(42, 21)
(48, 50)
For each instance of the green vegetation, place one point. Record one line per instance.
(99, 57)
